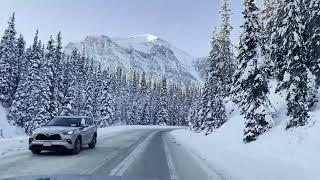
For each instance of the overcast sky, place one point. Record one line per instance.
(187, 24)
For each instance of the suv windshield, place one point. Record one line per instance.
(60, 121)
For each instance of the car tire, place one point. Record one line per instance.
(93, 142)
(77, 147)
(36, 151)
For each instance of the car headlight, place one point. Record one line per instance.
(69, 132)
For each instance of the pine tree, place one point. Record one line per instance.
(18, 112)
(144, 101)
(80, 79)
(8, 64)
(224, 56)
(163, 114)
(97, 91)
(105, 102)
(212, 112)
(38, 84)
(90, 86)
(48, 72)
(58, 73)
(313, 36)
(298, 78)
(20, 57)
(154, 100)
(193, 115)
(250, 84)
(69, 89)
(269, 37)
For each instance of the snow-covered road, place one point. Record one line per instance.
(135, 152)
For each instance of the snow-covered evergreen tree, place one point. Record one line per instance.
(8, 64)
(20, 57)
(298, 78)
(18, 111)
(90, 86)
(163, 113)
(250, 84)
(69, 88)
(224, 56)
(58, 74)
(38, 84)
(313, 36)
(48, 73)
(144, 110)
(212, 112)
(105, 102)
(97, 91)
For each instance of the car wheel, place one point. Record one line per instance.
(77, 147)
(36, 151)
(93, 142)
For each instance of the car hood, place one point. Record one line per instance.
(82, 177)
(55, 129)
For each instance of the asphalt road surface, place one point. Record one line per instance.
(145, 153)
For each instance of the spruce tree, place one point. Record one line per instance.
(69, 89)
(18, 112)
(212, 112)
(89, 95)
(250, 84)
(312, 36)
(48, 72)
(298, 78)
(8, 64)
(144, 102)
(38, 84)
(105, 102)
(163, 113)
(224, 56)
(58, 73)
(20, 57)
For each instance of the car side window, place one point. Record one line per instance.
(88, 121)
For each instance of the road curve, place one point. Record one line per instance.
(140, 153)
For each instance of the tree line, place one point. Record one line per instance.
(41, 81)
(280, 42)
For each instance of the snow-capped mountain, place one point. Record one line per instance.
(147, 53)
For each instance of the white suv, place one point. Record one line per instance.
(64, 133)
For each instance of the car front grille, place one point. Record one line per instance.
(48, 137)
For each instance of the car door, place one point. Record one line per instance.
(84, 131)
(91, 129)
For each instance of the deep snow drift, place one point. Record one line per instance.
(8, 130)
(278, 154)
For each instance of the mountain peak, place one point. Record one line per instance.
(146, 52)
(148, 37)
(144, 37)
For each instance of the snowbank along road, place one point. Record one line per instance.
(138, 153)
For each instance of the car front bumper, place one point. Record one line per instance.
(67, 143)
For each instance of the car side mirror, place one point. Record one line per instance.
(83, 123)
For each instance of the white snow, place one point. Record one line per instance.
(8, 130)
(278, 154)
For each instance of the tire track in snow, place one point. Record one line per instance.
(135, 152)
(172, 170)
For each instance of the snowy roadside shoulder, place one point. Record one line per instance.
(278, 154)
(13, 145)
